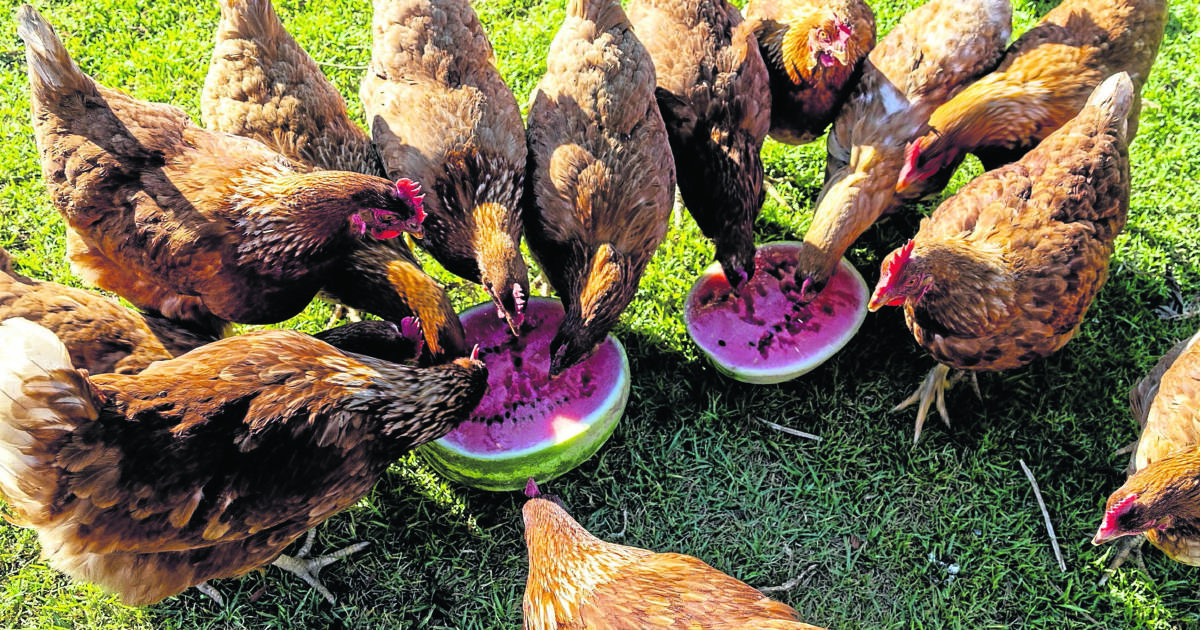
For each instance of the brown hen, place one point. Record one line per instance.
(1044, 80)
(577, 582)
(100, 334)
(261, 84)
(814, 51)
(1003, 272)
(1161, 499)
(440, 113)
(935, 50)
(208, 465)
(198, 226)
(714, 98)
(601, 177)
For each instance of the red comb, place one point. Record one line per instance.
(531, 489)
(412, 190)
(896, 263)
(1109, 525)
(843, 34)
(475, 353)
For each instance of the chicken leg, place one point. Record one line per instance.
(935, 386)
(308, 568)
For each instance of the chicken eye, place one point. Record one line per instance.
(824, 37)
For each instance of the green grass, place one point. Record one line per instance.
(871, 521)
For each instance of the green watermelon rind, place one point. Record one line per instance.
(511, 470)
(789, 371)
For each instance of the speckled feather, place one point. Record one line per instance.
(802, 111)
(441, 113)
(577, 582)
(935, 50)
(209, 465)
(714, 97)
(1014, 260)
(601, 176)
(261, 84)
(192, 224)
(1046, 77)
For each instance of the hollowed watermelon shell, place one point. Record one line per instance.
(760, 336)
(526, 426)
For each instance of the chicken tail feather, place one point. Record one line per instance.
(51, 69)
(42, 397)
(252, 17)
(607, 14)
(1115, 98)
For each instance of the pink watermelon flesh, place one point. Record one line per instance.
(520, 394)
(528, 425)
(764, 334)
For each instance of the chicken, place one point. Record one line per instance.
(601, 177)
(194, 225)
(440, 113)
(578, 581)
(262, 85)
(935, 50)
(207, 465)
(1003, 272)
(1045, 78)
(1159, 499)
(100, 334)
(814, 53)
(714, 99)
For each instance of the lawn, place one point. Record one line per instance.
(946, 534)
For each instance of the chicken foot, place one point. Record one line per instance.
(307, 568)
(934, 389)
(213, 594)
(1131, 544)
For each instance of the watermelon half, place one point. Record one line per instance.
(764, 335)
(528, 425)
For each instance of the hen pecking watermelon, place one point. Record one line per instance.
(529, 425)
(764, 335)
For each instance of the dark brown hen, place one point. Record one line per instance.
(601, 177)
(1003, 272)
(261, 84)
(440, 113)
(207, 465)
(714, 98)
(195, 225)
(814, 50)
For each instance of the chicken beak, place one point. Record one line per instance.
(881, 298)
(1102, 536)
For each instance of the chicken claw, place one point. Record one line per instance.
(1130, 544)
(935, 386)
(213, 594)
(307, 568)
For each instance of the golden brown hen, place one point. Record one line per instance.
(1161, 499)
(207, 465)
(188, 223)
(440, 113)
(100, 334)
(935, 50)
(1003, 272)
(714, 98)
(577, 582)
(601, 177)
(814, 52)
(1044, 80)
(261, 84)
